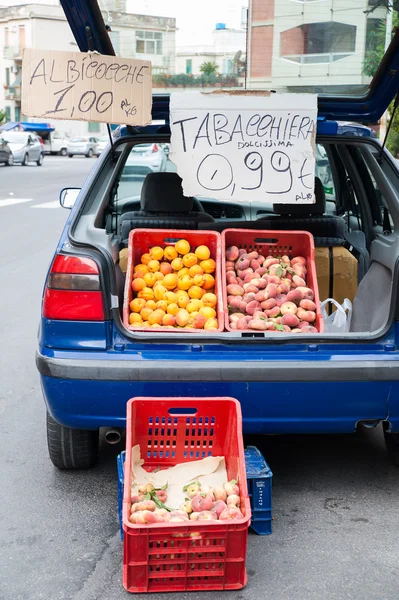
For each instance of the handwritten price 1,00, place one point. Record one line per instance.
(215, 173)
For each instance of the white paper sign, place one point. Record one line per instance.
(254, 147)
(86, 87)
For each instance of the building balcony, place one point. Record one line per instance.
(13, 93)
(12, 53)
(308, 59)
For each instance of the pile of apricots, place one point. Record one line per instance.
(174, 287)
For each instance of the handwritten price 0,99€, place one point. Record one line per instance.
(258, 153)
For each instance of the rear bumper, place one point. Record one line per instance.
(276, 397)
(105, 369)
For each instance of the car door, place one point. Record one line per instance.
(3, 151)
(36, 148)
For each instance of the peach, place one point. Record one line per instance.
(177, 264)
(232, 253)
(207, 515)
(298, 260)
(209, 281)
(295, 296)
(250, 289)
(146, 293)
(194, 516)
(209, 300)
(283, 288)
(258, 324)
(173, 309)
(208, 312)
(202, 502)
(145, 259)
(186, 507)
(259, 283)
(233, 500)
(137, 304)
(218, 507)
(183, 300)
(182, 318)
(135, 318)
(162, 495)
(198, 281)
(208, 266)
(269, 262)
(231, 487)
(274, 279)
(144, 517)
(162, 305)
(307, 293)
(271, 290)
(179, 513)
(170, 253)
(242, 263)
(286, 259)
(298, 281)
(231, 513)
(306, 315)
(199, 321)
(309, 329)
(290, 319)
(235, 290)
(296, 330)
(273, 312)
(249, 277)
(184, 283)
(308, 305)
(252, 307)
(288, 307)
(211, 324)
(254, 264)
(260, 296)
(268, 304)
(162, 515)
(138, 284)
(192, 490)
(165, 268)
(168, 319)
(261, 271)
(219, 492)
(145, 505)
(159, 292)
(170, 281)
(190, 259)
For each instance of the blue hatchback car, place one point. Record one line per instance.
(90, 365)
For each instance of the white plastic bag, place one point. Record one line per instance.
(339, 321)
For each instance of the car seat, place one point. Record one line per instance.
(163, 206)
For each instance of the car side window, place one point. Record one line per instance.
(324, 172)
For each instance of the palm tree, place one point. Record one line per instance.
(209, 68)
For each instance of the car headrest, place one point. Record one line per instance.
(319, 208)
(163, 192)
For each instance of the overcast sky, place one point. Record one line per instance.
(195, 21)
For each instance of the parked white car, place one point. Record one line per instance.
(102, 144)
(86, 146)
(146, 158)
(25, 147)
(54, 143)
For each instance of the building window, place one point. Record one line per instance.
(17, 112)
(7, 76)
(148, 42)
(189, 66)
(227, 67)
(115, 40)
(8, 113)
(6, 40)
(318, 42)
(93, 127)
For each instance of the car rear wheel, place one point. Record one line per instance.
(392, 444)
(10, 161)
(39, 161)
(63, 152)
(70, 155)
(25, 160)
(90, 153)
(71, 448)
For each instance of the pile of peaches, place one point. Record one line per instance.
(174, 287)
(202, 503)
(268, 293)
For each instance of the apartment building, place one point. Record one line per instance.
(309, 45)
(43, 25)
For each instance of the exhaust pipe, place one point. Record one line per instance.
(113, 436)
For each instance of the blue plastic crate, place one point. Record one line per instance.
(259, 479)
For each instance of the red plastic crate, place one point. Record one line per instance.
(206, 555)
(140, 242)
(276, 243)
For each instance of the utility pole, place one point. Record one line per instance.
(388, 36)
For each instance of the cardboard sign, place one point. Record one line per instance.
(251, 146)
(86, 87)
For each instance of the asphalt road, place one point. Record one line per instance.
(336, 509)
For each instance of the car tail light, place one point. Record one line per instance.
(155, 148)
(73, 290)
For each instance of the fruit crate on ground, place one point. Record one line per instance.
(276, 244)
(259, 482)
(189, 555)
(142, 240)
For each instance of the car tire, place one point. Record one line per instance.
(70, 155)
(63, 151)
(39, 161)
(10, 161)
(71, 448)
(90, 153)
(391, 444)
(25, 160)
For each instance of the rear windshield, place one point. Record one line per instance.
(19, 138)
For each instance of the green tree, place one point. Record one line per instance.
(382, 3)
(3, 117)
(375, 45)
(209, 68)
